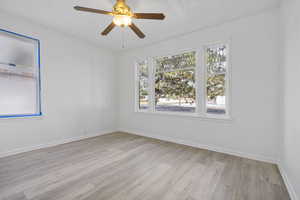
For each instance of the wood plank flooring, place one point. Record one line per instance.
(121, 166)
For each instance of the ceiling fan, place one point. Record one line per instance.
(123, 17)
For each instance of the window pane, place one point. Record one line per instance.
(182, 61)
(216, 66)
(143, 75)
(19, 75)
(175, 83)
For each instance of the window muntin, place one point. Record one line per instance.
(143, 85)
(19, 76)
(216, 64)
(175, 83)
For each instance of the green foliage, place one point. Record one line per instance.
(175, 77)
(177, 85)
(215, 86)
(143, 80)
(182, 61)
(216, 68)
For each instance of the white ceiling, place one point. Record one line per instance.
(182, 16)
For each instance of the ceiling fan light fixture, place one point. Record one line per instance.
(122, 20)
(123, 17)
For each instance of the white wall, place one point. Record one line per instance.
(78, 90)
(290, 157)
(254, 130)
(18, 94)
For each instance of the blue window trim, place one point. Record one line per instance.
(38, 53)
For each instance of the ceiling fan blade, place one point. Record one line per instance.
(137, 31)
(108, 29)
(156, 16)
(92, 10)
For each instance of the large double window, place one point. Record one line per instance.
(193, 82)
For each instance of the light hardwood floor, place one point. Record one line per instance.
(121, 166)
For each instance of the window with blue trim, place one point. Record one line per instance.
(19, 75)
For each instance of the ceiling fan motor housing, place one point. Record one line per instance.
(121, 8)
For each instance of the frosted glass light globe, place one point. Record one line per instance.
(122, 20)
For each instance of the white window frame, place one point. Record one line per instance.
(153, 82)
(227, 115)
(200, 83)
(137, 83)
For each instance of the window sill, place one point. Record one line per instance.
(33, 116)
(192, 115)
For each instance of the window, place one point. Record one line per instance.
(175, 83)
(19, 76)
(216, 78)
(143, 85)
(191, 83)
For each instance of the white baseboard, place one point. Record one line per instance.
(287, 182)
(202, 146)
(54, 143)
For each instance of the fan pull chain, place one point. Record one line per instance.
(123, 38)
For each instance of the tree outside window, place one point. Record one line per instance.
(175, 83)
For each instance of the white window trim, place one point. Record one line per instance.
(137, 83)
(152, 83)
(227, 81)
(200, 84)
